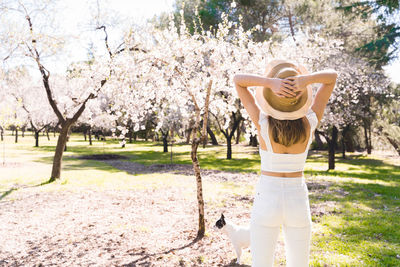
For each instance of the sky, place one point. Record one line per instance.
(75, 13)
(393, 71)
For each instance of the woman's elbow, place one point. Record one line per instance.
(236, 78)
(334, 74)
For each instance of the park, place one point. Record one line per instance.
(129, 155)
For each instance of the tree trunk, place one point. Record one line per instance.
(236, 118)
(332, 145)
(23, 131)
(165, 141)
(84, 134)
(370, 140)
(349, 143)
(188, 131)
(318, 140)
(291, 25)
(47, 134)
(344, 133)
(16, 135)
(348, 139)
(253, 141)
(196, 167)
(61, 143)
(367, 141)
(90, 136)
(130, 135)
(36, 138)
(212, 136)
(343, 148)
(68, 135)
(205, 140)
(1, 133)
(195, 161)
(238, 130)
(229, 147)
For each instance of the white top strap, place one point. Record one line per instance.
(263, 122)
(262, 118)
(313, 120)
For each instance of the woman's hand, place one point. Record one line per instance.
(278, 86)
(281, 87)
(297, 84)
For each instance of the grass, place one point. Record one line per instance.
(363, 229)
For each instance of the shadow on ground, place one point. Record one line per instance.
(145, 258)
(12, 189)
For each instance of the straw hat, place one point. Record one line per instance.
(283, 108)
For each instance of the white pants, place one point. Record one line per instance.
(280, 201)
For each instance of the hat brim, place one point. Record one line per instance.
(263, 104)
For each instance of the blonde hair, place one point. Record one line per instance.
(287, 132)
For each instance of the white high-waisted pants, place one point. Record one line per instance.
(280, 201)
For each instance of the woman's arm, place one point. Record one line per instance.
(324, 76)
(328, 80)
(276, 85)
(242, 81)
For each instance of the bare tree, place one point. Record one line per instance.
(32, 47)
(196, 141)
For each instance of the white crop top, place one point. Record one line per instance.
(283, 162)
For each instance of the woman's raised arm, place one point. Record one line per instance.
(328, 80)
(242, 81)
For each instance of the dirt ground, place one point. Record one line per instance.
(142, 227)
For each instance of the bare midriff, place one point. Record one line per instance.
(283, 174)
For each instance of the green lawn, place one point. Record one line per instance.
(362, 229)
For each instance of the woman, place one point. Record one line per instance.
(285, 117)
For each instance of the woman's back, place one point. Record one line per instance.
(282, 159)
(296, 148)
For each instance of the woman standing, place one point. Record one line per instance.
(285, 116)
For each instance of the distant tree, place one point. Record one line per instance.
(96, 117)
(269, 17)
(275, 20)
(387, 124)
(228, 122)
(30, 100)
(382, 47)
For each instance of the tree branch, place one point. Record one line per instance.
(219, 125)
(106, 40)
(291, 24)
(130, 49)
(324, 135)
(236, 122)
(45, 73)
(196, 106)
(205, 116)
